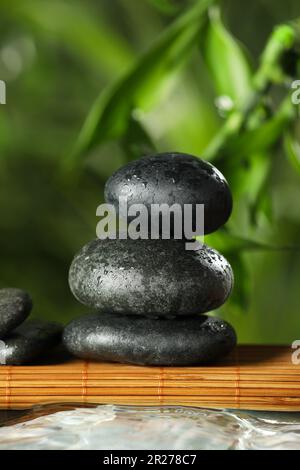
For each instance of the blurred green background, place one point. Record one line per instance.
(151, 75)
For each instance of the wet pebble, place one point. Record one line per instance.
(150, 277)
(15, 306)
(29, 341)
(169, 178)
(179, 342)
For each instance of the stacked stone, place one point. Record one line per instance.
(149, 295)
(22, 341)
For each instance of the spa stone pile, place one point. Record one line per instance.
(20, 340)
(147, 294)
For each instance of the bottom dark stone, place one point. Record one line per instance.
(28, 341)
(138, 340)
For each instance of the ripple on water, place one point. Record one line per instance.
(122, 427)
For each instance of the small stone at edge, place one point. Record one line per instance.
(28, 341)
(15, 306)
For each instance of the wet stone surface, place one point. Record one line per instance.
(157, 278)
(170, 178)
(145, 341)
(15, 306)
(28, 341)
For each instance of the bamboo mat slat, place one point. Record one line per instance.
(251, 377)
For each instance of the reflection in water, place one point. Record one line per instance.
(174, 428)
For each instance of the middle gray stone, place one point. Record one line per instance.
(157, 278)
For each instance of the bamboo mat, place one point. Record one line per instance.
(251, 377)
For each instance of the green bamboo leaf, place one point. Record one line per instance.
(229, 243)
(136, 141)
(279, 44)
(262, 207)
(292, 149)
(226, 60)
(260, 139)
(109, 116)
(260, 201)
(248, 177)
(169, 7)
(241, 289)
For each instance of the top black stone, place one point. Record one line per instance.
(169, 178)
